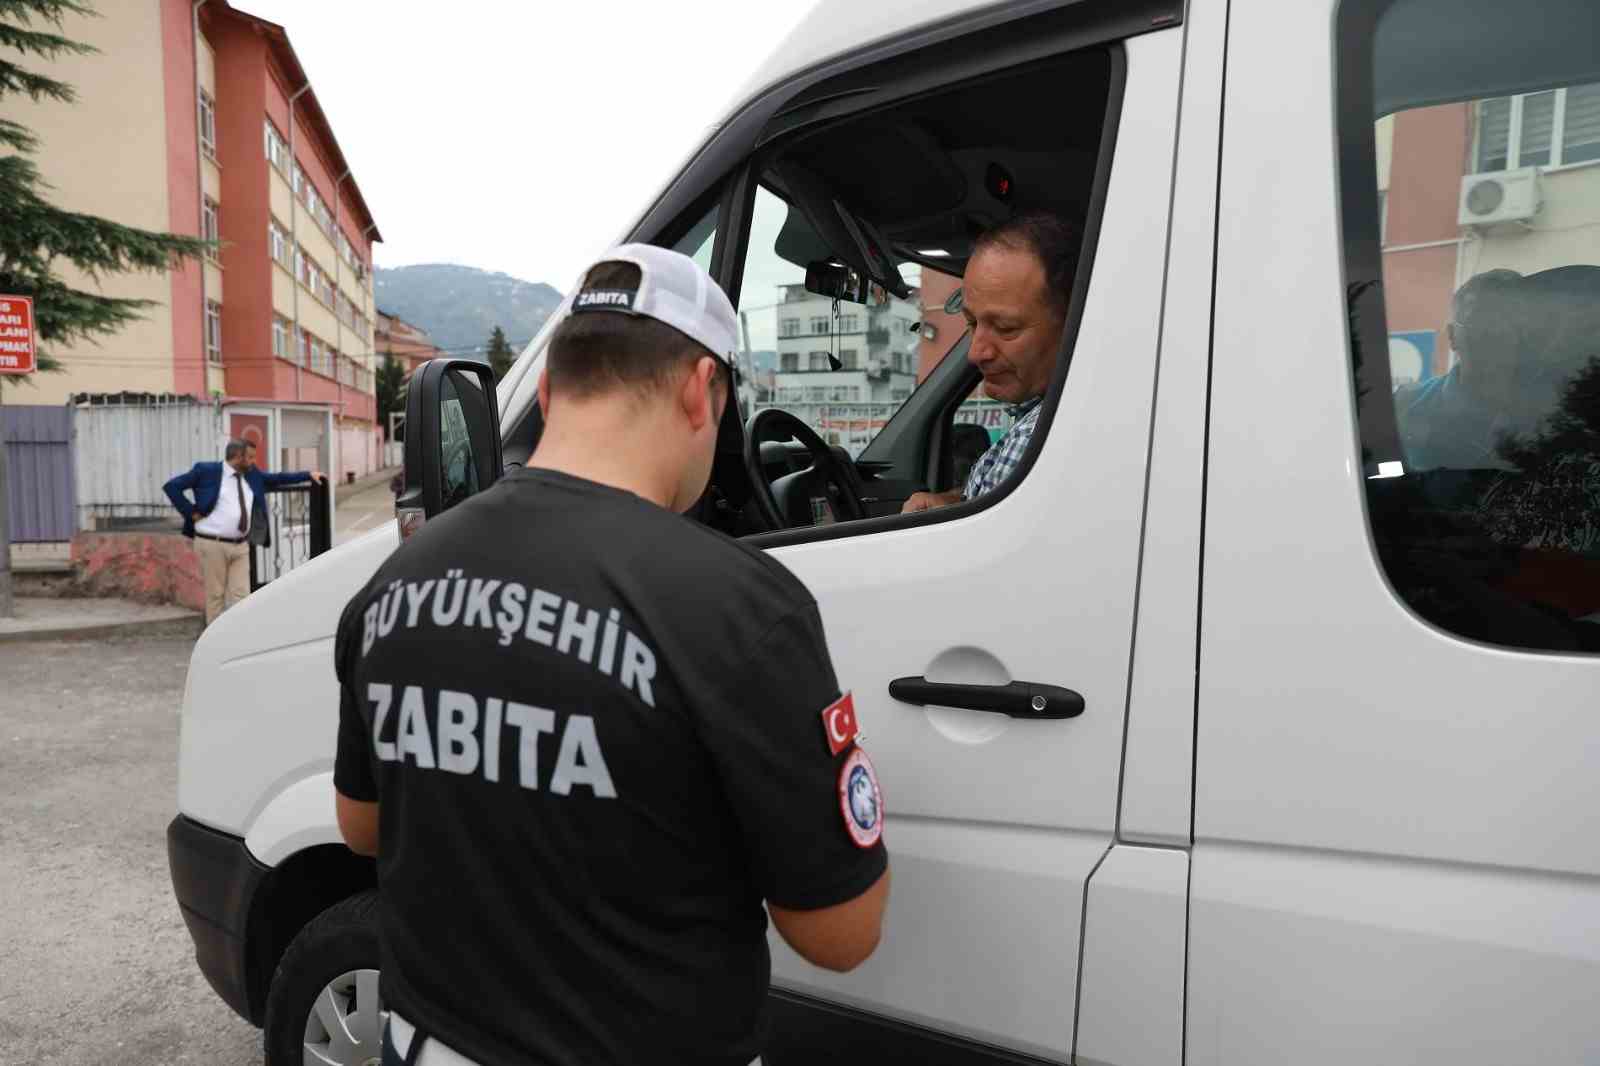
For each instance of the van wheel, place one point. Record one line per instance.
(323, 1007)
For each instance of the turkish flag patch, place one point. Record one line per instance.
(839, 723)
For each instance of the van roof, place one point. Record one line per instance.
(835, 27)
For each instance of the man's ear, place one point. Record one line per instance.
(544, 391)
(698, 404)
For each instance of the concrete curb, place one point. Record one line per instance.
(189, 620)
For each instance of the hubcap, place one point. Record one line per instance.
(345, 1025)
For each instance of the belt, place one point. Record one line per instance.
(221, 540)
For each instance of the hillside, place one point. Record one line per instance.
(459, 306)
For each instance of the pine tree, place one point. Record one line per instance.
(34, 235)
(501, 355)
(391, 383)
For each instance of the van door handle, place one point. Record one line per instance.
(1020, 699)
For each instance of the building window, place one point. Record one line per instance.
(317, 208)
(819, 360)
(819, 324)
(209, 229)
(208, 124)
(847, 356)
(297, 178)
(899, 395)
(850, 324)
(789, 327)
(817, 394)
(1553, 128)
(789, 362)
(278, 243)
(277, 150)
(213, 332)
(280, 338)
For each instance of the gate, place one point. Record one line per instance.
(40, 488)
(300, 524)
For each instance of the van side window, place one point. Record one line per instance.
(1484, 490)
(872, 304)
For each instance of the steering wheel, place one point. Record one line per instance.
(826, 473)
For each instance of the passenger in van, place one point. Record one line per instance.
(1498, 386)
(1507, 449)
(1014, 298)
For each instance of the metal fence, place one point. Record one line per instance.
(39, 483)
(300, 527)
(126, 453)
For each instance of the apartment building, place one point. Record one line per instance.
(408, 343)
(875, 348)
(198, 118)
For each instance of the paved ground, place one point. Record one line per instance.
(80, 618)
(96, 966)
(365, 509)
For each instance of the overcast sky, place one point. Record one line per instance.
(521, 137)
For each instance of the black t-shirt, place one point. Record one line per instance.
(596, 732)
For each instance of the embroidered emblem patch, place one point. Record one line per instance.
(839, 723)
(861, 800)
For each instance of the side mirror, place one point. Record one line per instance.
(452, 439)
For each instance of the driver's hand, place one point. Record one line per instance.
(927, 501)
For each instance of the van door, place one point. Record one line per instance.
(1396, 856)
(995, 823)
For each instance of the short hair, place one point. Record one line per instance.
(596, 351)
(1494, 293)
(234, 449)
(1050, 239)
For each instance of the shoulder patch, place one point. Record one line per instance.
(861, 800)
(839, 723)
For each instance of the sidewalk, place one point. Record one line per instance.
(39, 618)
(343, 492)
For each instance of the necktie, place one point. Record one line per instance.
(244, 516)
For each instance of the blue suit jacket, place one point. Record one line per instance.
(204, 480)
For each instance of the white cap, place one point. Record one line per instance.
(672, 289)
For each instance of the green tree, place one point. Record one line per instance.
(501, 355)
(36, 236)
(391, 385)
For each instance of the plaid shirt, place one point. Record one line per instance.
(1000, 461)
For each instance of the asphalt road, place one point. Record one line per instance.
(363, 511)
(95, 963)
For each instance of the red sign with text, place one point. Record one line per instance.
(16, 335)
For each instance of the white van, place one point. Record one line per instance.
(1314, 538)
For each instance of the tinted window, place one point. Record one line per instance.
(1482, 440)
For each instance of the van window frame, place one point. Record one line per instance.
(887, 95)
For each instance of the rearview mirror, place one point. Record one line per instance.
(837, 282)
(452, 439)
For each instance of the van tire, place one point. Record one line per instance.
(341, 939)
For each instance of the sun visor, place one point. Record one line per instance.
(850, 239)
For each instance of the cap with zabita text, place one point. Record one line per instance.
(673, 289)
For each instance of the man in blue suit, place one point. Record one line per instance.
(219, 503)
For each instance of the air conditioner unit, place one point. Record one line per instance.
(1503, 196)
